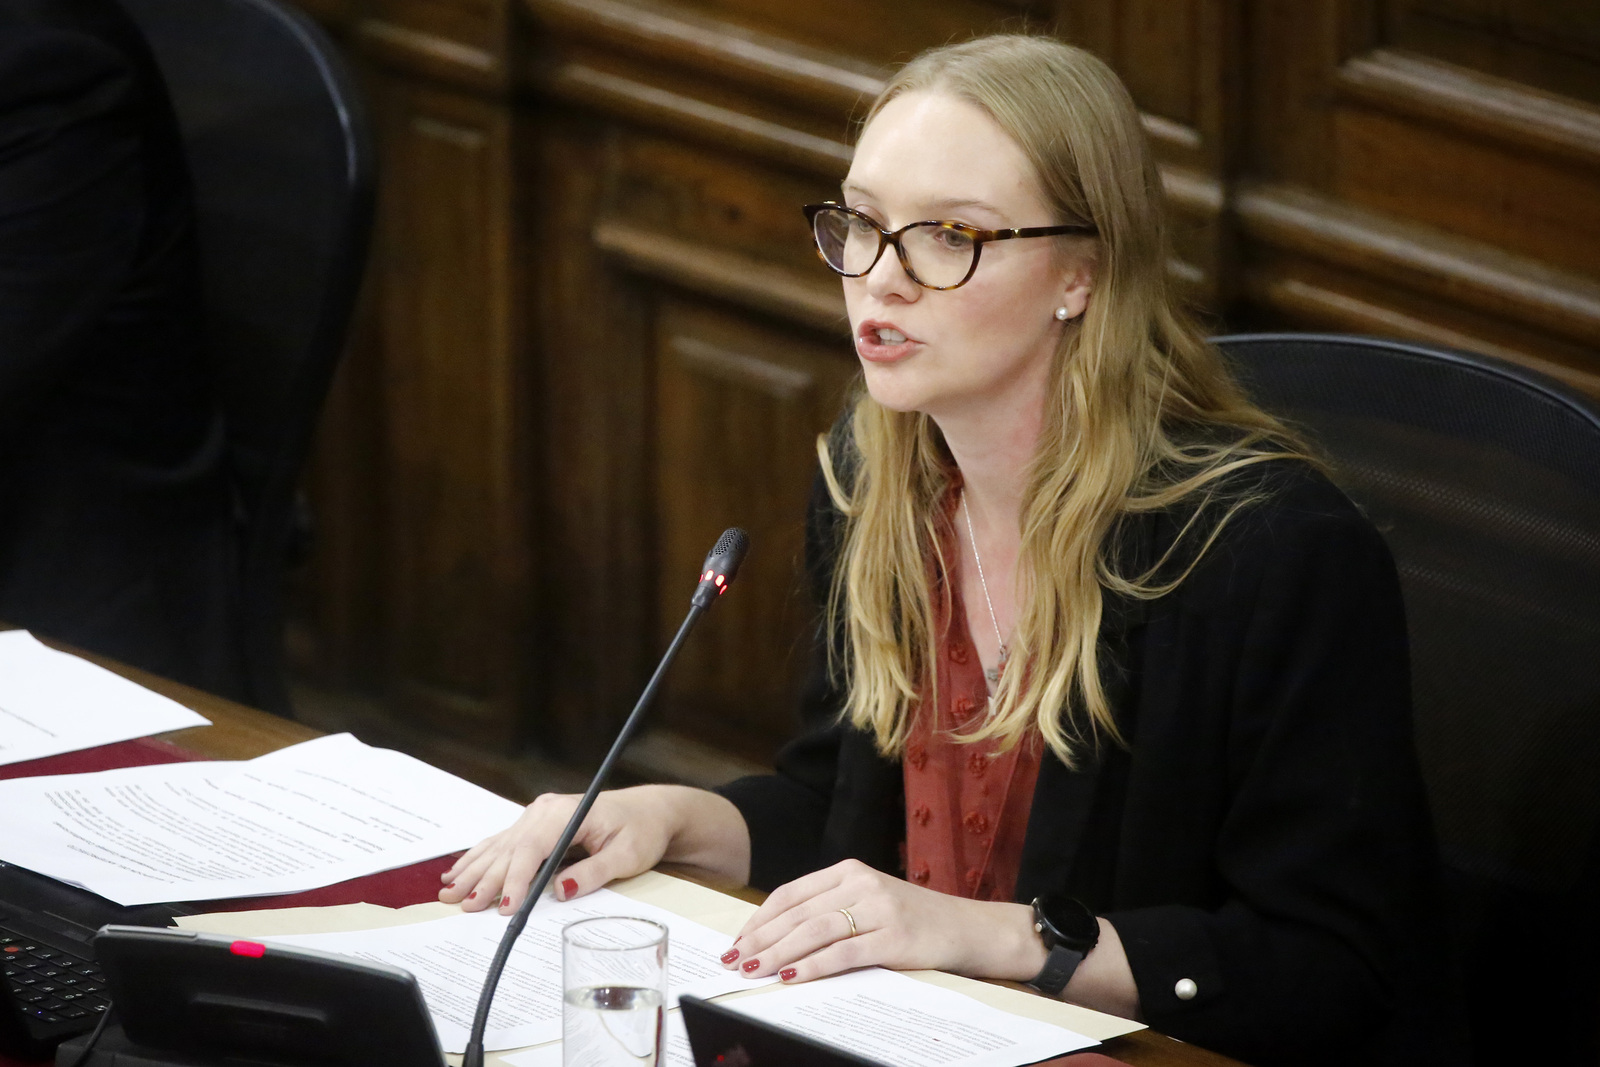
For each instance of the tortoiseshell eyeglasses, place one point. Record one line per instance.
(936, 254)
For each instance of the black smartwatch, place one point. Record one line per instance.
(1069, 930)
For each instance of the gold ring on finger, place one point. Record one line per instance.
(851, 919)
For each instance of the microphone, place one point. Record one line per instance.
(721, 565)
(716, 574)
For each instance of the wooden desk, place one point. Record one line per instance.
(238, 732)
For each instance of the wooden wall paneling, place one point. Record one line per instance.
(456, 398)
(879, 32)
(692, 230)
(467, 43)
(699, 109)
(1180, 62)
(335, 617)
(739, 405)
(1471, 195)
(705, 202)
(1525, 202)
(1418, 258)
(1548, 44)
(764, 63)
(593, 632)
(1290, 51)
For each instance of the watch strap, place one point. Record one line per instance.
(1058, 970)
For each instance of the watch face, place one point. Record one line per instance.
(1067, 921)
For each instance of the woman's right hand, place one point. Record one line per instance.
(627, 832)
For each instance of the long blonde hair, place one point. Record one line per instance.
(1141, 415)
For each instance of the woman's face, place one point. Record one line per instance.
(986, 346)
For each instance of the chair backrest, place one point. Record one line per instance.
(1485, 479)
(282, 163)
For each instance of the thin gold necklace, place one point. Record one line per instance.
(993, 674)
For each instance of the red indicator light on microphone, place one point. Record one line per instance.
(253, 949)
(721, 581)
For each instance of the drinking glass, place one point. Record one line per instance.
(614, 992)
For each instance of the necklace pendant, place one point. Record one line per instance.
(993, 673)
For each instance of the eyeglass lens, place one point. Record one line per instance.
(938, 255)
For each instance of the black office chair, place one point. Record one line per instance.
(1485, 479)
(281, 156)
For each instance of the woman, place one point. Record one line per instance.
(1100, 637)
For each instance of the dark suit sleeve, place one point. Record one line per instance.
(1324, 852)
(72, 200)
(787, 812)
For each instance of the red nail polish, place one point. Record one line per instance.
(738, 939)
(569, 887)
(505, 901)
(730, 955)
(750, 965)
(787, 974)
(452, 885)
(472, 895)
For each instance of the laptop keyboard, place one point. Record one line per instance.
(48, 984)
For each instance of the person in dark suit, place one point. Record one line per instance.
(116, 515)
(1112, 692)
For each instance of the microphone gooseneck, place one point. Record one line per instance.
(716, 574)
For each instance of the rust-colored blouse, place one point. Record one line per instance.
(966, 804)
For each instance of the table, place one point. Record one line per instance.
(239, 732)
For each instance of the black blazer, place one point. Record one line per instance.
(1265, 835)
(116, 524)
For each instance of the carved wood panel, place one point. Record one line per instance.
(453, 395)
(1548, 44)
(739, 406)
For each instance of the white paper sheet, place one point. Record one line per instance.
(882, 1016)
(902, 1022)
(450, 957)
(305, 816)
(678, 1053)
(52, 702)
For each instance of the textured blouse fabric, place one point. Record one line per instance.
(966, 803)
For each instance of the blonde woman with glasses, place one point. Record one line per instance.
(1112, 689)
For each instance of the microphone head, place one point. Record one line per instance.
(721, 565)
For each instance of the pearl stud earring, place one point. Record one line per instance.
(1062, 314)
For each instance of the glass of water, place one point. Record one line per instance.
(614, 990)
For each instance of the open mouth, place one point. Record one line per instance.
(880, 342)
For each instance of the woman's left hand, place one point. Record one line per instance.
(802, 931)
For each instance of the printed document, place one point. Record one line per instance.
(882, 1016)
(52, 702)
(451, 956)
(901, 1022)
(306, 816)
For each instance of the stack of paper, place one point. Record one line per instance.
(450, 957)
(302, 817)
(900, 1020)
(51, 702)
